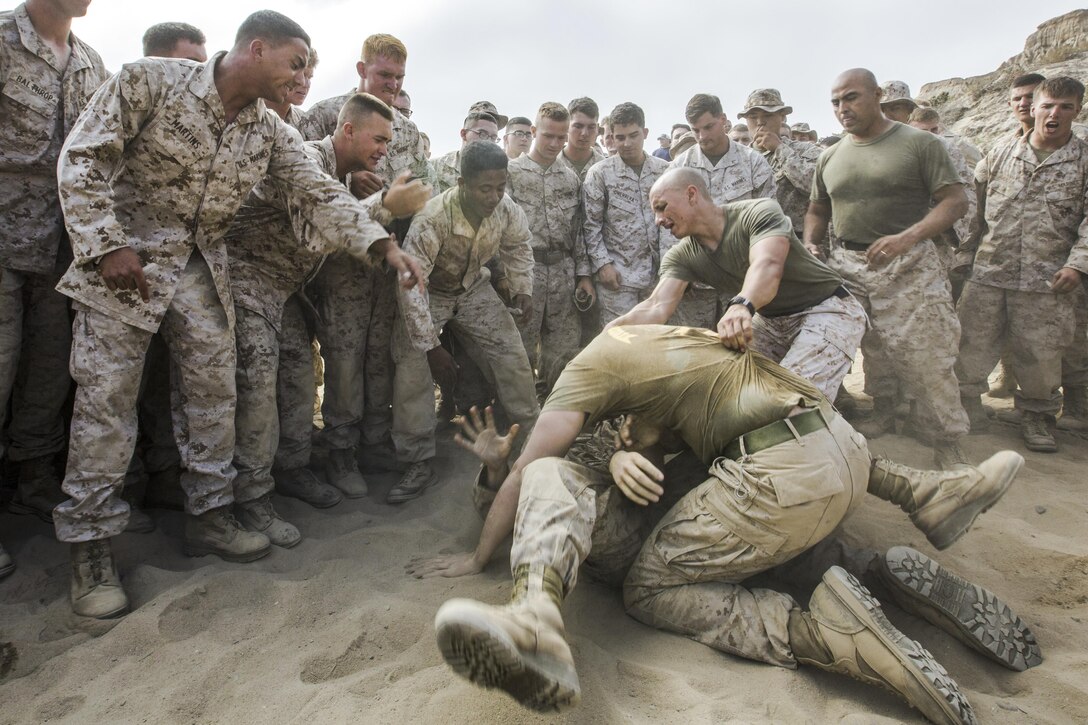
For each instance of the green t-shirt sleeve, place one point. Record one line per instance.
(679, 262)
(764, 220)
(819, 189)
(937, 170)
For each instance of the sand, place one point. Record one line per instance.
(334, 630)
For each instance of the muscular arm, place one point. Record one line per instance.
(766, 260)
(817, 219)
(658, 307)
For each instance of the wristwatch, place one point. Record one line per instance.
(738, 300)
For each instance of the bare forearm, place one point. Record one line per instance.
(817, 218)
(499, 523)
(647, 312)
(761, 282)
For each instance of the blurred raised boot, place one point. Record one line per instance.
(944, 504)
(519, 648)
(342, 472)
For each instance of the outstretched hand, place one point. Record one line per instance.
(481, 438)
(446, 565)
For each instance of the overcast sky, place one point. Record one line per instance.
(656, 54)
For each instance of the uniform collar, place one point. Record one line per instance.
(1025, 152)
(32, 41)
(202, 85)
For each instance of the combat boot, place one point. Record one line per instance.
(7, 564)
(520, 648)
(301, 483)
(846, 632)
(218, 532)
(881, 421)
(39, 489)
(258, 515)
(1074, 409)
(1036, 433)
(944, 504)
(971, 614)
(342, 472)
(96, 588)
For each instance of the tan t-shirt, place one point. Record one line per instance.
(685, 380)
(881, 187)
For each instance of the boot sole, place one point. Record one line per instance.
(929, 675)
(191, 550)
(973, 615)
(955, 526)
(6, 570)
(317, 504)
(108, 615)
(486, 656)
(23, 510)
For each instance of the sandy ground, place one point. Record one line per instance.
(334, 631)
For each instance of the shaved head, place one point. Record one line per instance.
(680, 179)
(862, 77)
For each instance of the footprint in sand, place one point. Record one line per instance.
(61, 707)
(212, 602)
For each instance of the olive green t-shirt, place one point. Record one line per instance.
(881, 187)
(806, 281)
(684, 379)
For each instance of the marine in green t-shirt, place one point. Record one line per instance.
(748, 252)
(879, 187)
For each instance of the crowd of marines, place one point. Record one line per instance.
(198, 255)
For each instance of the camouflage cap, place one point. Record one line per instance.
(664, 137)
(765, 99)
(896, 91)
(489, 107)
(800, 128)
(682, 143)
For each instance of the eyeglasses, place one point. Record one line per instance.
(525, 135)
(406, 112)
(483, 135)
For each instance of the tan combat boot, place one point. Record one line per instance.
(342, 472)
(258, 515)
(520, 648)
(944, 504)
(217, 532)
(7, 564)
(96, 588)
(971, 614)
(846, 632)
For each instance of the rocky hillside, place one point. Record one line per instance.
(977, 107)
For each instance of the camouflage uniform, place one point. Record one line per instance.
(272, 254)
(745, 517)
(880, 376)
(39, 103)
(595, 156)
(741, 174)
(358, 306)
(452, 255)
(619, 229)
(445, 170)
(1035, 217)
(968, 150)
(127, 180)
(550, 198)
(794, 163)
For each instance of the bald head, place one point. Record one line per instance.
(858, 78)
(680, 179)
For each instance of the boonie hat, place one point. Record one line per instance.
(896, 91)
(489, 107)
(765, 99)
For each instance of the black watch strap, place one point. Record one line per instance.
(738, 300)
